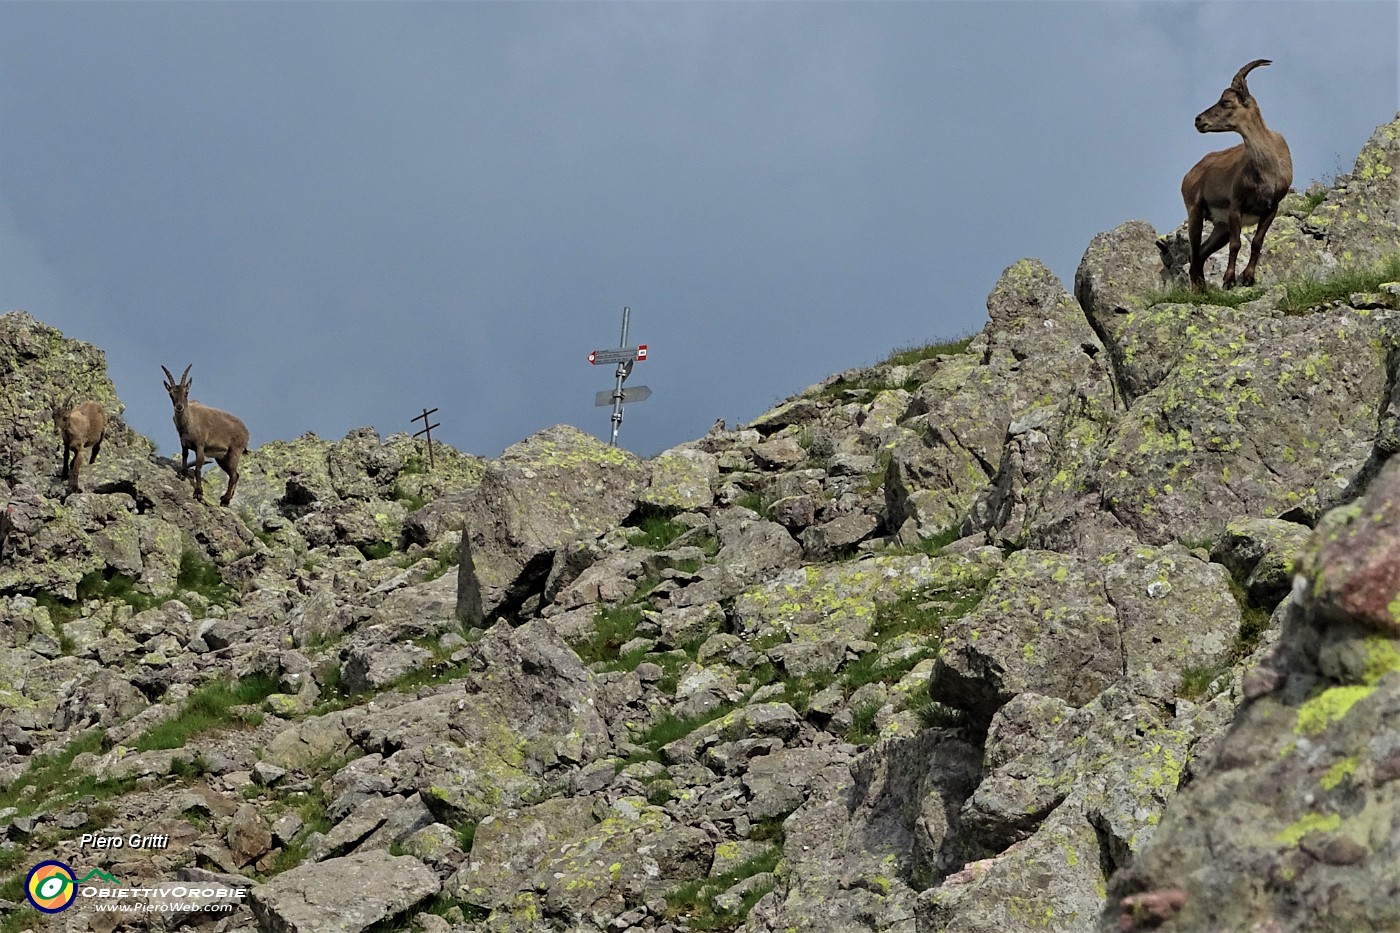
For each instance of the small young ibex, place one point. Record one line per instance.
(79, 426)
(205, 430)
(1236, 187)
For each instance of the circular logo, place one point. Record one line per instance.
(51, 887)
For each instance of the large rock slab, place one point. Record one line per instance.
(1242, 414)
(529, 706)
(1037, 359)
(571, 865)
(870, 838)
(552, 487)
(809, 617)
(343, 895)
(1064, 626)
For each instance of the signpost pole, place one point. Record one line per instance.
(623, 369)
(625, 357)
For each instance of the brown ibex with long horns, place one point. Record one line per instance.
(206, 430)
(1235, 187)
(78, 427)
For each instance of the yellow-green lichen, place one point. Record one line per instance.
(1309, 823)
(1340, 772)
(1332, 704)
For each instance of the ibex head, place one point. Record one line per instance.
(1236, 104)
(179, 392)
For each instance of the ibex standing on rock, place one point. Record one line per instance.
(206, 430)
(79, 426)
(1236, 187)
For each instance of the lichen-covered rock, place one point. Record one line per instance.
(1045, 626)
(1351, 567)
(40, 370)
(810, 617)
(529, 706)
(1066, 627)
(1260, 553)
(1014, 893)
(682, 478)
(1242, 414)
(316, 897)
(866, 842)
(1038, 353)
(557, 485)
(1303, 791)
(583, 865)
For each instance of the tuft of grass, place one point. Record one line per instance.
(935, 715)
(862, 730)
(207, 707)
(115, 587)
(934, 544)
(908, 356)
(377, 550)
(613, 627)
(411, 500)
(670, 727)
(1305, 295)
(754, 503)
(656, 532)
(694, 902)
(199, 575)
(1213, 295)
(1312, 198)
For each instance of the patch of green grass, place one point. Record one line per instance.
(439, 905)
(47, 775)
(1312, 198)
(655, 531)
(613, 627)
(377, 550)
(9, 858)
(1305, 295)
(924, 612)
(1213, 295)
(199, 575)
(208, 707)
(26, 917)
(862, 730)
(753, 502)
(694, 902)
(60, 611)
(908, 356)
(1300, 295)
(669, 727)
(934, 544)
(411, 500)
(115, 587)
(934, 715)
(189, 770)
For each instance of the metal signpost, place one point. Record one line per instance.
(624, 356)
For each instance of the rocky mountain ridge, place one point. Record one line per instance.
(1083, 623)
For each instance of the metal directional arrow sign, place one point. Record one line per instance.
(629, 394)
(620, 355)
(625, 357)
